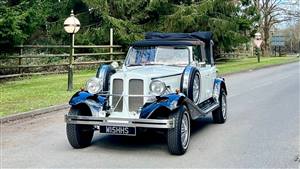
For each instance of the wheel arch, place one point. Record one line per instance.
(219, 84)
(94, 102)
(83, 108)
(163, 106)
(223, 86)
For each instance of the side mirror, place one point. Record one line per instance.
(114, 64)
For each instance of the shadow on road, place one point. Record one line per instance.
(200, 124)
(149, 140)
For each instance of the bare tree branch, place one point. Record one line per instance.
(274, 12)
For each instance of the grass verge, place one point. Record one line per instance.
(238, 65)
(38, 91)
(43, 91)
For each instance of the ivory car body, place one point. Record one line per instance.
(166, 81)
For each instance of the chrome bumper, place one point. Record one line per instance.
(105, 121)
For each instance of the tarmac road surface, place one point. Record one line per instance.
(262, 131)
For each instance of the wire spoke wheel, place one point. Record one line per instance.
(179, 136)
(220, 114)
(224, 106)
(185, 131)
(196, 88)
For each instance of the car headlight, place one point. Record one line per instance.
(94, 85)
(157, 87)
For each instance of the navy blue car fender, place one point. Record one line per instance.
(94, 102)
(170, 102)
(218, 85)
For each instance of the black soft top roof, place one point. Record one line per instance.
(204, 36)
(165, 42)
(175, 39)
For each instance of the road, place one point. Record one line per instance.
(262, 131)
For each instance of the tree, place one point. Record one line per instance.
(19, 20)
(292, 34)
(230, 21)
(28, 21)
(274, 12)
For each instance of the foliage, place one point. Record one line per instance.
(19, 22)
(26, 21)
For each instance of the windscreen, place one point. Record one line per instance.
(157, 55)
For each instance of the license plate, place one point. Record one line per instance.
(118, 130)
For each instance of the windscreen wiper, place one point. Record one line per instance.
(154, 64)
(134, 65)
(177, 65)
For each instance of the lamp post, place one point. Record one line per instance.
(257, 42)
(71, 26)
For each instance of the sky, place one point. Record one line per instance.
(294, 7)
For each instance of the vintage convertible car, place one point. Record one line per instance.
(166, 81)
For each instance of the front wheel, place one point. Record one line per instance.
(179, 136)
(79, 136)
(220, 114)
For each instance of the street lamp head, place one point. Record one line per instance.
(72, 24)
(257, 36)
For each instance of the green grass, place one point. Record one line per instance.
(38, 92)
(238, 65)
(42, 91)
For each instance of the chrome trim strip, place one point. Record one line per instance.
(126, 122)
(215, 106)
(127, 95)
(166, 76)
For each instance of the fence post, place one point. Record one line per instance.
(70, 67)
(20, 60)
(111, 50)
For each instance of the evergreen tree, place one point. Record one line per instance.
(26, 21)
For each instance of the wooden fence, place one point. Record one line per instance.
(233, 55)
(113, 50)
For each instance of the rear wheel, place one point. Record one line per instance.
(179, 136)
(79, 135)
(220, 114)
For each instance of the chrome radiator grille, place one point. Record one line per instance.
(136, 87)
(117, 89)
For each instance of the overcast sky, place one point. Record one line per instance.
(293, 6)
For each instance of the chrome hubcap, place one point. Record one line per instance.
(224, 107)
(185, 131)
(196, 88)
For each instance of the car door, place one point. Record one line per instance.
(205, 81)
(212, 73)
(205, 71)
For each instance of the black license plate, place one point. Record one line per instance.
(118, 130)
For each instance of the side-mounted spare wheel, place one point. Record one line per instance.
(190, 83)
(104, 72)
(79, 136)
(220, 114)
(179, 136)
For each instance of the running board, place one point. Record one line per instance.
(197, 111)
